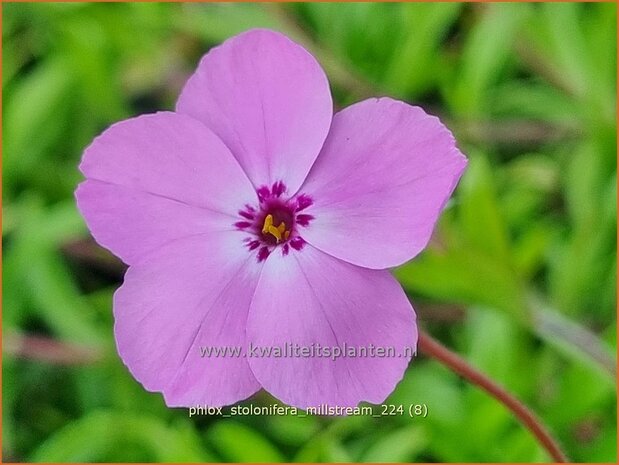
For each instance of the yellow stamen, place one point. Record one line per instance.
(268, 222)
(275, 232)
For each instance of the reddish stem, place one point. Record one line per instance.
(44, 349)
(436, 350)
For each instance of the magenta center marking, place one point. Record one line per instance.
(275, 222)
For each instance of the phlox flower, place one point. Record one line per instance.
(252, 214)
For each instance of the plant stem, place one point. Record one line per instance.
(47, 350)
(434, 349)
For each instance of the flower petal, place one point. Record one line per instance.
(309, 298)
(268, 99)
(155, 178)
(131, 223)
(190, 293)
(382, 178)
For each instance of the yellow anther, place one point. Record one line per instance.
(275, 232)
(268, 222)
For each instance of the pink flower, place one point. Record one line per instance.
(252, 214)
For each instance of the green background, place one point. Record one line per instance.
(520, 278)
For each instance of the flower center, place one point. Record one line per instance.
(277, 232)
(276, 222)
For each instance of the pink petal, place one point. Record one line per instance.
(309, 297)
(268, 99)
(156, 178)
(380, 182)
(131, 223)
(192, 292)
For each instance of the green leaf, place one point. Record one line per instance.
(585, 257)
(239, 443)
(479, 212)
(44, 277)
(464, 276)
(400, 445)
(486, 53)
(293, 430)
(87, 50)
(34, 117)
(413, 65)
(100, 436)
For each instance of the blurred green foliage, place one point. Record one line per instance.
(520, 278)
